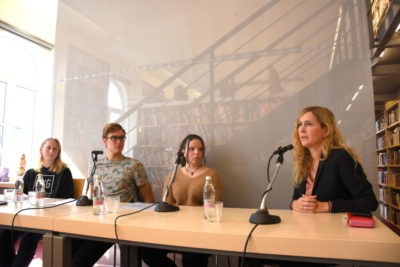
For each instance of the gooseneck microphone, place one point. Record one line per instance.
(164, 206)
(95, 153)
(84, 200)
(262, 215)
(281, 150)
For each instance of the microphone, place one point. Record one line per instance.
(164, 206)
(281, 150)
(262, 216)
(97, 152)
(84, 200)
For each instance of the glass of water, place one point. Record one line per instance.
(9, 194)
(111, 204)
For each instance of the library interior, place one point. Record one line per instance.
(235, 72)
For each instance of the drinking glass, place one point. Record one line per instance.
(111, 204)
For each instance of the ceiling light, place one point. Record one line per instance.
(398, 28)
(361, 87)
(381, 55)
(339, 122)
(348, 107)
(354, 97)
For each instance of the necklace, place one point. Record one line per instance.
(191, 171)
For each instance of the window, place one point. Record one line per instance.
(2, 108)
(25, 100)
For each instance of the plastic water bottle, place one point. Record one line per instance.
(98, 196)
(19, 189)
(209, 199)
(40, 190)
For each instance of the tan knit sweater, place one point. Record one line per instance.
(188, 190)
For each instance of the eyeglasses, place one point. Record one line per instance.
(115, 138)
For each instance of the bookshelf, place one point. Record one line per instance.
(388, 156)
(378, 11)
(162, 126)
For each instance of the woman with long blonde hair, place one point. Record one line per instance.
(328, 176)
(58, 184)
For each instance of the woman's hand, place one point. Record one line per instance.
(322, 207)
(305, 204)
(310, 204)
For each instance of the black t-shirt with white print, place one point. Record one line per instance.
(58, 185)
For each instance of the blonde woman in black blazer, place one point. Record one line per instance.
(328, 176)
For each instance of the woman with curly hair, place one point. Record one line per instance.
(328, 176)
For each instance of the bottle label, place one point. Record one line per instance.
(18, 193)
(209, 204)
(98, 202)
(39, 195)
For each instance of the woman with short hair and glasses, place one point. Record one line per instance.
(121, 176)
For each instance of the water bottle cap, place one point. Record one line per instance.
(208, 178)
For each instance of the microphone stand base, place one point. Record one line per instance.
(263, 217)
(84, 201)
(165, 207)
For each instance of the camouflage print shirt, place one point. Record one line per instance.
(122, 177)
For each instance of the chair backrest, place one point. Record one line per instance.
(78, 186)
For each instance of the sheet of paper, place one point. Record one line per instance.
(137, 206)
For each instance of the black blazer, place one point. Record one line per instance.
(341, 180)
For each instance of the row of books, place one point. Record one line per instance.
(389, 178)
(380, 143)
(393, 138)
(390, 214)
(378, 10)
(382, 159)
(173, 135)
(390, 158)
(390, 196)
(170, 135)
(380, 123)
(393, 157)
(236, 111)
(382, 177)
(156, 156)
(393, 116)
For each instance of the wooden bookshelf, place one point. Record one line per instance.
(378, 11)
(161, 127)
(388, 156)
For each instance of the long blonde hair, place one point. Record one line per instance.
(334, 140)
(58, 164)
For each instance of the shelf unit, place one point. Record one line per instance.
(161, 127)
(378, 11)
(388, 152)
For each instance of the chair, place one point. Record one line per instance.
(78, 186)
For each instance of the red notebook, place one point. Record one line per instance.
(360, 221)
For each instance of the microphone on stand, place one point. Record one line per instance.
(84, 200)
(262, 215)
(95, 153)
(281, 150)
(164, 206)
